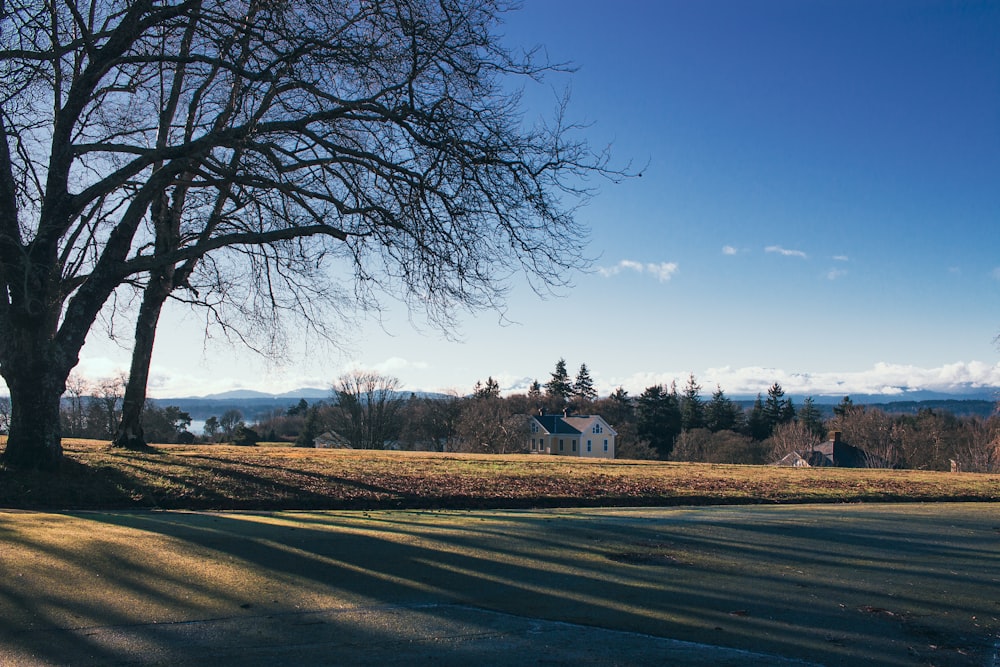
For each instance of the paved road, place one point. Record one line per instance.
(832, 586)
(429, 634)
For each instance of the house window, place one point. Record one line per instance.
(534, 427)
(598, 428)
(588, 445)
(560, 444)
(533, 443)
(574, 445)
(605, 445)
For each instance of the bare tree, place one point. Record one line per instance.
(791, 437)
(980, 452)
(368, 405)
(228, 423)
(429, 423)
(77, 387)
(488, 425)
(873, 431)
(108, 396)
(156, 144)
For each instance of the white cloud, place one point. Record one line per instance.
(833, 274)
(785, 252)
(881, 379)
(729, 250)
(662, 271)
(841, 258)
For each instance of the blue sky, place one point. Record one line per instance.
(819, 206)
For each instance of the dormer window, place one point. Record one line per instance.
(598, 428)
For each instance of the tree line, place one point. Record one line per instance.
(368, 410)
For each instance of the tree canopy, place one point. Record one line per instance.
(238, 150)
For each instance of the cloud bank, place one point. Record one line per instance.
(889, 380)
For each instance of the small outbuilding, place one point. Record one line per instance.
(331, 440)
(834, 453)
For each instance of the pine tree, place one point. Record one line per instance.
(583, 387)
(692, 408)
(310, 428)
(810, 417)
(618, 407)
(758, 426)
(721, 414)
(535, 391)
(658, 418)
(490, 390)
(777, 408)
(559, 387)
(844, 407)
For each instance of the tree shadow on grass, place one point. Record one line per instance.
(795, 583)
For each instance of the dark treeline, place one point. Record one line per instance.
(367, 410)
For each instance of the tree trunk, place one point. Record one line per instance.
(129, 434)
(35, 439)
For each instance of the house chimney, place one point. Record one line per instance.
(834, 436)
(566, 412)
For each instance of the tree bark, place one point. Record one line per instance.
(130, 434)
(35, 438)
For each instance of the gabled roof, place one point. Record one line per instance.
(556, 425)
(570, 425)
(832, 453)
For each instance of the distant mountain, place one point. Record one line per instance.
(257, 405)
(241, 394)
(905, 395)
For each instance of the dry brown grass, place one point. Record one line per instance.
(226, 477)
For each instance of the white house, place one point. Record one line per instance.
(587, 436)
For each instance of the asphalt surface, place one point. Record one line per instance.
(823, 585)
(429, 634)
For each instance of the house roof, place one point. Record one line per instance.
(557, 425)
(831, 453)
(570, 425)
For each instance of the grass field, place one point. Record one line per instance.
(867, 583)
(94, 476)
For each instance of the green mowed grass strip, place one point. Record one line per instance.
(885, 584)
(225, 477)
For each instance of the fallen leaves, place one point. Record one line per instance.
(221, 477)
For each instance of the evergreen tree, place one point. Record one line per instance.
(844, 407)
(559, 387)
(658, 419)
(692, 408)
(810, 417)
(758, 426)
(617, 408)
(310, 428)
(777, 408)
(583, 387)
(490, 390)
(721, 414)
(535, 391)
